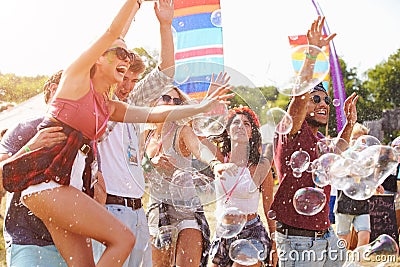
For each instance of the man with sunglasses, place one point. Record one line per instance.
(300, 239)
(120, 146)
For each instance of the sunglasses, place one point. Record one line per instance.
(122, 53)
(316, 99)
(167, 99)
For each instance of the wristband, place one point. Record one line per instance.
(27, 149)
(308, 55)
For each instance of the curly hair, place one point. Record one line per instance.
(55, 78)
(223, 140)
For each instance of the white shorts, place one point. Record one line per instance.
(76, 178)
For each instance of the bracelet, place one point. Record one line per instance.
(139, 2)
(214, 163)
(308, 55)
(27, 149)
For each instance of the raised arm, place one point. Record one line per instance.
(79, 70)
(199, 149)
(164, 10)
(298, 105)
(124, 113)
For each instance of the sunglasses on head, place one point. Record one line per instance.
(316, 99)
(167, 99)
(122, 53)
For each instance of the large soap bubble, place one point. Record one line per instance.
(309, 201)
(183, 192)
(279, 120)
(299, 161)
(212, 122)
(230, 222)
(243, 252)
(293, 84)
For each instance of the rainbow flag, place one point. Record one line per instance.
(321, 64)
(198, 44)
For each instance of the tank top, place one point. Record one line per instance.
(89, 114)
(238, 191)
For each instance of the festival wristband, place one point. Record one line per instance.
(308, 55)
(214, 163)
(27, 149)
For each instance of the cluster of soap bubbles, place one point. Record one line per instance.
(356, 170)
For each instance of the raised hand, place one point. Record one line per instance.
(221, 79)
(220, 95)
(350, 110)
(164, 10)
(315, 33)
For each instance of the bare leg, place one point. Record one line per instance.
(162, 257)
(346, 238)
(72, 216)
(363, 238)
(189, 248)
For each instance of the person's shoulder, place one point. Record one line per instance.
(27, 126)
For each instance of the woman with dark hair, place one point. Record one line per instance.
(240, 146)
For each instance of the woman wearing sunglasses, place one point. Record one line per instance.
(81, 105)
(169, 149)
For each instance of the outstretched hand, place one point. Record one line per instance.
(164, 10)
(221, 79)
(315, 33)
(350, 109)
(220, 95)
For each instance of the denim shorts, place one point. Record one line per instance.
(344, 221)
(136, 221)
(31, 255)
(325, 251)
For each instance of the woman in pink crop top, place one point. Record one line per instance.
(82, 103)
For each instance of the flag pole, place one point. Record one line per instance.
(336, 74)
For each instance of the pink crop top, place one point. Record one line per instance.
(81, 114)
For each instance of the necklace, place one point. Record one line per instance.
(228, 193)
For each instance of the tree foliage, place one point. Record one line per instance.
(17, 89)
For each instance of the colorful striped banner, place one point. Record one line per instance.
(198, 44)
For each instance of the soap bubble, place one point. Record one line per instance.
(183, 192)
(243, 252)
(299, 161)
(212, 122)
(293, 84)
(216, 18)
(309, 201)
(279, 120)
(230, 222)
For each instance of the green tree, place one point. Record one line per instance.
(383, 83)
(17, 89)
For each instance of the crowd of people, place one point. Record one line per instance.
(76, 176)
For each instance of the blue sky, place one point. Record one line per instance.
(42, 36)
